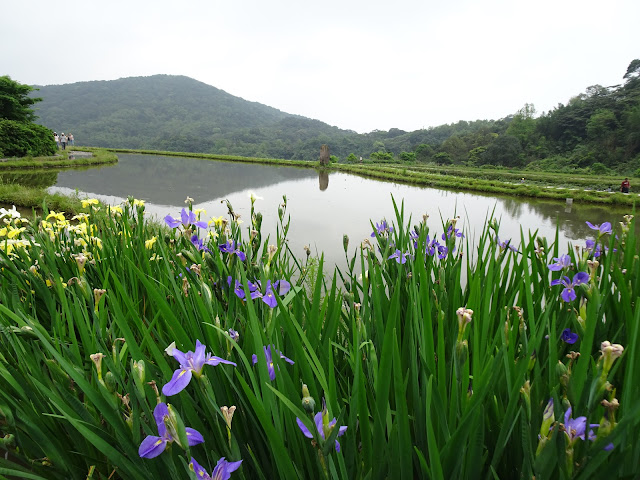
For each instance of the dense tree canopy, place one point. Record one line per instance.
(15, 102)
(19, 136)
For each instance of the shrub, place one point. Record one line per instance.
(18, 139)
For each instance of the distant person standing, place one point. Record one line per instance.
(63, 141)
(624, 186)
(57, 139)
(71, 139)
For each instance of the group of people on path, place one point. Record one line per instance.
(63, 140)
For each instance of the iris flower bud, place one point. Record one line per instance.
(308, 403)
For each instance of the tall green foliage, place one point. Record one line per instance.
(442, 359)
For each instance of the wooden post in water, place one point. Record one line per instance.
(324, 155)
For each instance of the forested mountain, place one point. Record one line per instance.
(597, 130)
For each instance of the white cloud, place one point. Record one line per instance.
(355, 64)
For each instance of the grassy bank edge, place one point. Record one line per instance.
(100, 156)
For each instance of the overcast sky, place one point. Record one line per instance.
(359, 65)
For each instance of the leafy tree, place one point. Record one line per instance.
(20, 137)
(351, 158)
(442, 158)
(424, 152)
(506, 151)
(407, 156)
(602, 126)
(15, 102)
(475, 155)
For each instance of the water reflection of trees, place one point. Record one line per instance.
(38, 178)
(168, 180)
(571, 219)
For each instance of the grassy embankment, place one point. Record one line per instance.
(24, 196)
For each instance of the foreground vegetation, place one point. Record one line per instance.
(505, 359)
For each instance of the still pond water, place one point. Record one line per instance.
(322, 207)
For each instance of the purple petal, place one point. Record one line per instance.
(568, 336)
(185, 217)
(270, 299)
(223, 469)
(198, 469)
(241, 255)
(178, 382)
(172, 222)
(211, 360)
(605, 227)
(283, 287)
(201, 224)
(239, 291)
(592, 226)
(254, 359)
(180, 356)
(151, 447)
(317, 418)
(288, 360)
(199, 356)
(568, 294)
(580, 278)
(256, 294)
(608, 447)
(272, 371)
(193, 437)
(305, 430)
(337, 446)
(567, 414)
(342, 430)
(159, 413)
(555, 282)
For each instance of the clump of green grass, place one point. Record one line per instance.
(442, 360)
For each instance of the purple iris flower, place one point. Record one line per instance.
(382, 228)
(442, 252)
(222, 471)
(318, 421)
(269, 358)
(199, 243)
(577, 427)
(152, 446)
(191, 363)
(451, 232)
(506, 244)
(569, 294)
(568, 336)
(602, 229)
(413, 235)
(187, 218)
(400, 257)
(234, 334)
(230, 247)
(561, 262)
(431, 246)
(281, 287)
(591, 247)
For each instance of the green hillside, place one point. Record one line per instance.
(597, 131)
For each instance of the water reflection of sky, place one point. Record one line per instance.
(322, 209)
